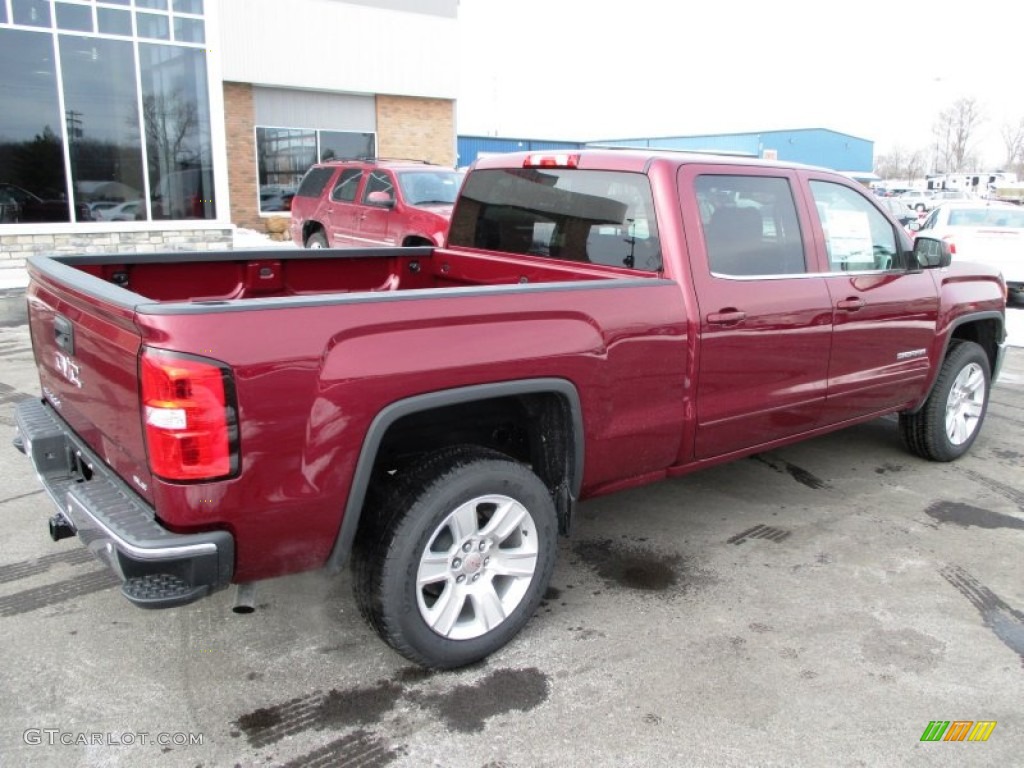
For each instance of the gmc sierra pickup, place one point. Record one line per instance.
(431, 416)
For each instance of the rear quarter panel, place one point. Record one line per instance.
(311, 377)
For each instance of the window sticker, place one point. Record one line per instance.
(849, 237)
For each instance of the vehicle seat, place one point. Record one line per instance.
(735, 240)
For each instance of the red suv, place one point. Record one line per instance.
(347, 203)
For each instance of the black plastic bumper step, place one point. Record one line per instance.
(161, 590)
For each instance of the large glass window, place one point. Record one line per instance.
(176, 115)
(285, 154)
(75, 18)
(74, 145)
(31, 13)
(102, 119)
(33, 183)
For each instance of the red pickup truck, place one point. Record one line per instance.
(595, 321)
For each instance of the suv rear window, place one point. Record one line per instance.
(598, 217)
(314, 181)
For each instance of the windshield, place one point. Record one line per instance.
(986, 217)
(429, 187)
(599, 217)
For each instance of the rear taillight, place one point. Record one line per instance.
(189, 411)
(952, 243)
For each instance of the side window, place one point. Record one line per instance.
(857, 236)
(345, 190)
(379, 182)
(750, 226)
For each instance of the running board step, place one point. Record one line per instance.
(161, 590)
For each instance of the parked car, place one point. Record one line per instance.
(129, 211)
(20, 205)
(916, 200)
(983, 232)
(276, 201)
(96, 208)
(899, 210)
(940, 196)
(373, 202)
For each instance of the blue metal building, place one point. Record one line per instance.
(812, 146)
(469, 148)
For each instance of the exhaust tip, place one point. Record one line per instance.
(245, 599)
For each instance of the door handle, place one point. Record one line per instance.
(850, 305)
(727, 317)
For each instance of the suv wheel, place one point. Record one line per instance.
(316, 240)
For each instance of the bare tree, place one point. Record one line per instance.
(171, 125)
(1013, 141)
(953, 130)
(901, 163)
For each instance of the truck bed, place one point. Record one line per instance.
(241, 275)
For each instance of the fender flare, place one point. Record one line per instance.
(430, 401)
(964, 320)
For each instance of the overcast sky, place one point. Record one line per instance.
(599, 69)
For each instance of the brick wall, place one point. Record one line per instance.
(243, 182)
(14, 249)
(416, 128)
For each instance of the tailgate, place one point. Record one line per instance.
(86, 351)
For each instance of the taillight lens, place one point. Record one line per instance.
(952, 243)
(189, 411)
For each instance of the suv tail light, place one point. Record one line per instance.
(952, 243)
(190, 415)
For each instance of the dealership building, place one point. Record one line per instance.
(145, 125)
(151, 125)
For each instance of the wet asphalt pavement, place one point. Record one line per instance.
(816, 605)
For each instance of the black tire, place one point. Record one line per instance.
(436, 603)
(946, 427)
(317, 240)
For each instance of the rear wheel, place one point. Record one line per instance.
(457, 556)
(946, 427)
(316, 240)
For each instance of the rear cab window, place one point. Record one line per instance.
(590, 216)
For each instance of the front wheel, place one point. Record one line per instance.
(946, 427)
(456, 558)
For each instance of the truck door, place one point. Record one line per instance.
(884, 315)
(765, 315)
(375, 212)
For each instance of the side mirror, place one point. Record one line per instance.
(380, 198)
(930, 252)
